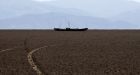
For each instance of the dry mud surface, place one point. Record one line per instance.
(96, 52)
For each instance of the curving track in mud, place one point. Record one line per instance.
(30, 58)
(7, 49)
(31, 61)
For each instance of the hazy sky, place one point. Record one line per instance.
(53, 0)
(102, 9)
(99, 8)
(136, 0)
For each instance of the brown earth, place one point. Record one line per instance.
(96, 52)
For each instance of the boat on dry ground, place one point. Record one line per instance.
(70, 29)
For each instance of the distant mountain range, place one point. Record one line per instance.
(132, 17)
(55, 19)
(98, 8)
(29, 14)
(15, 10)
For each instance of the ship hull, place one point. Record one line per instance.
(70, 29)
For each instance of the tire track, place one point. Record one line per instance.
(7, 49)
(31, 61)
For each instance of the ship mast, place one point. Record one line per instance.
(68, 24)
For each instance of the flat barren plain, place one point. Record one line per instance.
(46, 52)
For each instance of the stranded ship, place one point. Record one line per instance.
(70, 29)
